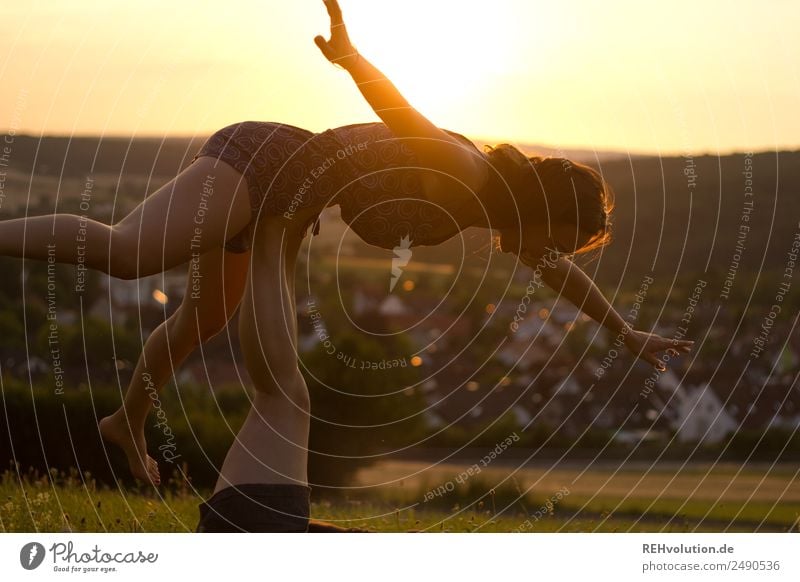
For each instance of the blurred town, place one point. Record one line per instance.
(463, 345)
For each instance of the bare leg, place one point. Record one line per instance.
(198, 210)
(202, 315)
(272, 445)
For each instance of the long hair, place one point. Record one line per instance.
(570, 192)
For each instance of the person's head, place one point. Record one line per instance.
(547, 203)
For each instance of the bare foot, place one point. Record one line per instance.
(117, 432)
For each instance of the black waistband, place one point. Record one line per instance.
(256, 507)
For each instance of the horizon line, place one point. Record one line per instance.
(602, 151)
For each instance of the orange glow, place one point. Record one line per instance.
(160, 296)
(416, 361)
(604, 75)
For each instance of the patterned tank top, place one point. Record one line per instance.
(382, 198)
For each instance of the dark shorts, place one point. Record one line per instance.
(256, 508)
(281, 165)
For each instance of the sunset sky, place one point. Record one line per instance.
(658, 77)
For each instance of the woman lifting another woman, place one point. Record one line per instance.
(402, 178)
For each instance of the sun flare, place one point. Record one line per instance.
(437, 53)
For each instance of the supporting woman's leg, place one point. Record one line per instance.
(272, 445)
(198, 210)
(206, 308)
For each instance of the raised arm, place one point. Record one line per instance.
(435, 148)
(566, 278)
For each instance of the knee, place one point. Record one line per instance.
(210, 324)
(199, 325)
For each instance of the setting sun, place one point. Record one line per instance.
(612, 75)
(430, 49)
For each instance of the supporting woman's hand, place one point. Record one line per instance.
(338, 50)
(648, 345)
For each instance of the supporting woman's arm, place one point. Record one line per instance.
(567, 279)
(435, 148)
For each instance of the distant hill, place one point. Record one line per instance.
(585, 156)
(667, 222)
(673, 215)
(77, 156)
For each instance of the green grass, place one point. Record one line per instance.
(735, 514)
(71, 502)
(694, 497)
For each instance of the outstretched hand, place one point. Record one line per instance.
(338, 50)
(648, 345)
